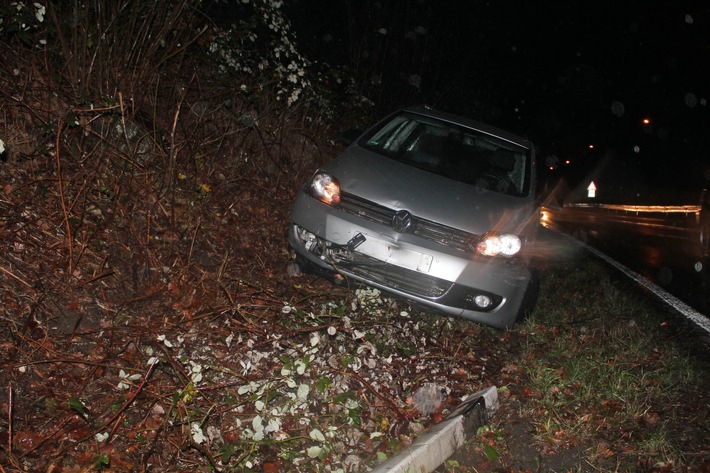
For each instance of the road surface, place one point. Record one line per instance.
(666, 245)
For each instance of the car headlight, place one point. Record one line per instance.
(325, 187)
(494, 244)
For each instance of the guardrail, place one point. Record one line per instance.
(685, 209)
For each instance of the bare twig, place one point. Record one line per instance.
(123, 117)
(61, 198)
(206, 453)
(17, 278)
(192, 243)
(222, 266)
(9, 418)
(172, 157)
(371, 388)
(58, 428)
(95, 278)
(147, 454)
(130, 400)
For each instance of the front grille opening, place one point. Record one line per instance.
(401, 279)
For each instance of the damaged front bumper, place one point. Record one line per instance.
(342, 247)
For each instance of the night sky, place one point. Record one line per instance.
(566, 74)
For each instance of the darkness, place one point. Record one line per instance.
(566, 74)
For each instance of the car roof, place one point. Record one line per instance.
(457, 119)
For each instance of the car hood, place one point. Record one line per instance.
(429, 196)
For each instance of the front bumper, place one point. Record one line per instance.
(331, 242)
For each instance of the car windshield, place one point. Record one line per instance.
(457, 152)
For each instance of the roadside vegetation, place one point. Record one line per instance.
(602, 378)
(149, 157)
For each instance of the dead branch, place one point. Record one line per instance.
(372, 389)
(17, 278)
(9, 418)
(61, 198)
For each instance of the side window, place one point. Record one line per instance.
(518, 173)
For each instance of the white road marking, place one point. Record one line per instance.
(691, 314)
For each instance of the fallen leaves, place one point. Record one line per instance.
(248, 368)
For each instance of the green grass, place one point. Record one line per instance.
(600, 370)
(603, 379)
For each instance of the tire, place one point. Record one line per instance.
(530, 297)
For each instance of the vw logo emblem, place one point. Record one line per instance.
(402, 221)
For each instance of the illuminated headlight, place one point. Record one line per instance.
(494, 244)
(325, 187)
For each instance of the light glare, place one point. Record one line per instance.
(326, 188)
(505, 244)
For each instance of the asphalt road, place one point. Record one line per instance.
(664, 247)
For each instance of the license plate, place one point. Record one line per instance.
(393, 254)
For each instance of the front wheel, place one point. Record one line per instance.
(530, 297)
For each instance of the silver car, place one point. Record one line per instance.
(433, 208)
